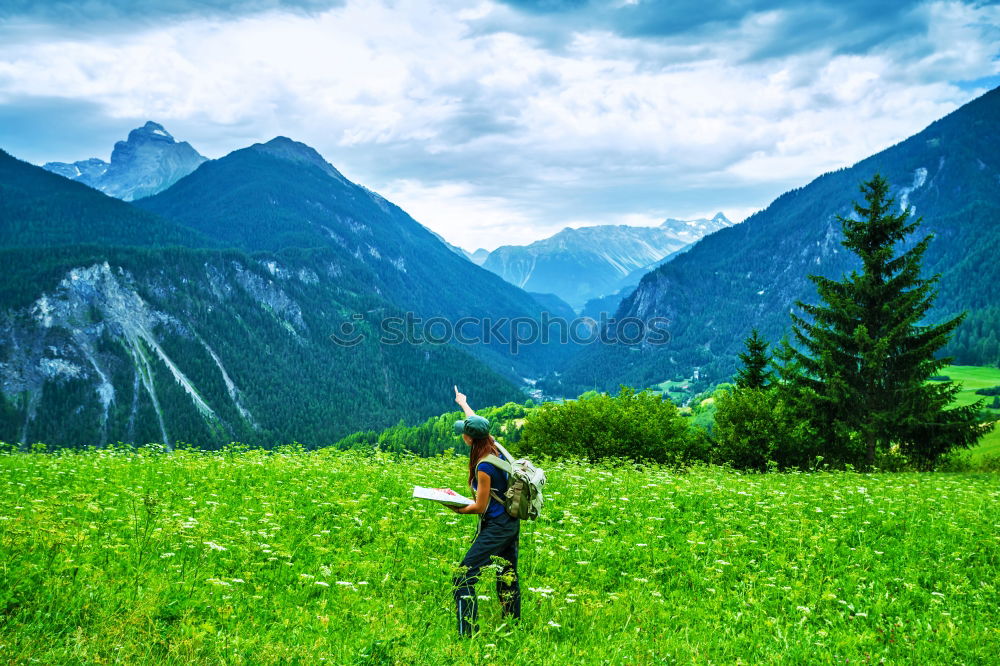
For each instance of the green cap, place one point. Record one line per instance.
(475, 427)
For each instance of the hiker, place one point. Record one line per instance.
(497, 533)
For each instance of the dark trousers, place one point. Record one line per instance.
(497, 536)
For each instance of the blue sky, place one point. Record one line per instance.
(503, 122)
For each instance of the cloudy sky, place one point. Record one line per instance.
(502, 122)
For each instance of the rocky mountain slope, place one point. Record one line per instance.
(149, 161)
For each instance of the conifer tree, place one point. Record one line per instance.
(860, 363)
(755, 373)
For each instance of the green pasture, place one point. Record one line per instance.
(973, 378)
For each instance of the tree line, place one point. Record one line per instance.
(853, 381)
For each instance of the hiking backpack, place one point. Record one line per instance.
(523, 498)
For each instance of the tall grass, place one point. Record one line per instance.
(293, 557)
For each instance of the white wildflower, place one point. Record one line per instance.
(544, 591)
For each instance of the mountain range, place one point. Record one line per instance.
(208, 314)
(592, 262)
(249, 299)
(752, 274)
(477, 257)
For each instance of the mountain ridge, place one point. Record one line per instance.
(580, 264)
(282, 194)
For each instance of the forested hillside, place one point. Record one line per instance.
(42, 209)
(283, 194)
(750, 275)
(128, 338)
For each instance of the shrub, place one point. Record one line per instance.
(508, 411)
(963, 462)
(638, 426)
(755, 427)
(989, 463)
(747, 430)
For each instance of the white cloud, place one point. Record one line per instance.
(474, 220)
(490, 137)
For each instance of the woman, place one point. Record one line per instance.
(497, 534)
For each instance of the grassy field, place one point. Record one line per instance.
(293, 557)
(973, 378)
(676, 391)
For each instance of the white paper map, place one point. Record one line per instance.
(445, 496)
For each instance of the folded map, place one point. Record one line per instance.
(443, 495)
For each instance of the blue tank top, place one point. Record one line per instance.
(498, 482)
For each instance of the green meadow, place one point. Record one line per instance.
(143, 557)
(973, 378)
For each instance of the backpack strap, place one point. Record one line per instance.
(505, 452)
(496, 462)
(495, 495)
(502, 465)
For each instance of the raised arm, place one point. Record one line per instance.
(463, 403)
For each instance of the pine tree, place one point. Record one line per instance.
(755, 373)
(860, 364)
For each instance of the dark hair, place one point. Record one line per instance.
(481, 447)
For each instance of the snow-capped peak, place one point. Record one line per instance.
(151, 129)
